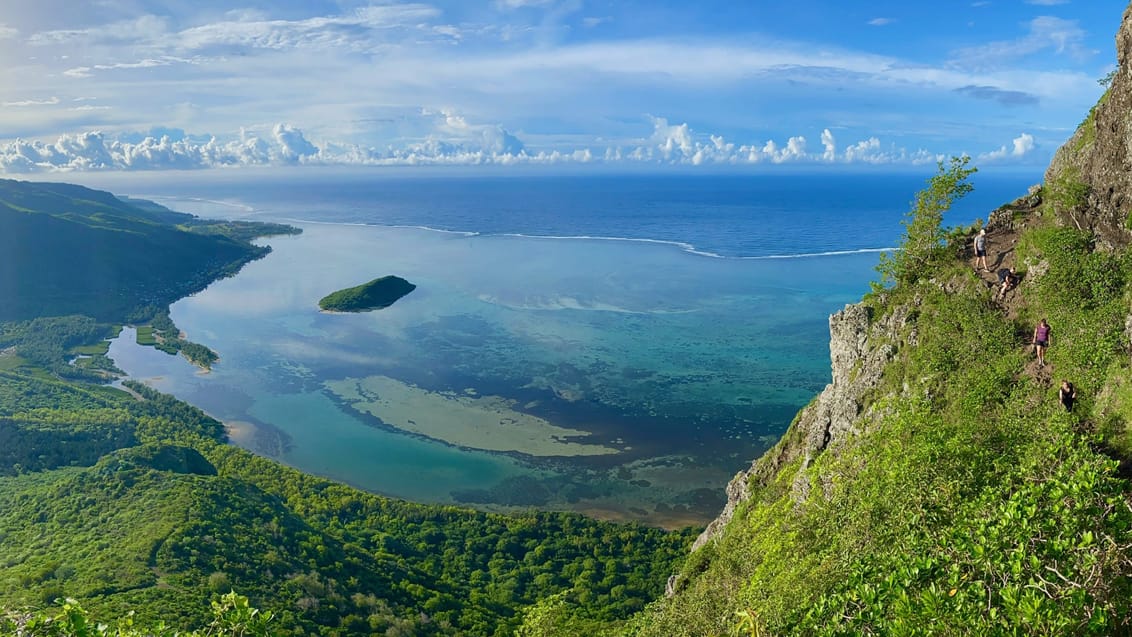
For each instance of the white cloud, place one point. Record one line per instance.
(830, 145)
(452, 141)
(146, 28)
(1045, 32)
(86, 71)
(880, 22)
(519, 4)
(1020, 146)
(47, 102)
(292, 144)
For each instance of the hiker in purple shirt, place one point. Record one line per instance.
(1041, 341)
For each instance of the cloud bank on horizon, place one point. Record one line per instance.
(151, 84)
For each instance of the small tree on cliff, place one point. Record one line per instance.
(923, 244)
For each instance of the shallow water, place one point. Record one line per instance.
(624, 378)
(681, 367)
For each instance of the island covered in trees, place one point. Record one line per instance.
(375, 295)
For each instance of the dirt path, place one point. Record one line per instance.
(1002, 239)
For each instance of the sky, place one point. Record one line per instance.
(108, 85)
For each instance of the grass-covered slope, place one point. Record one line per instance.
(71, 250)
(971, 501)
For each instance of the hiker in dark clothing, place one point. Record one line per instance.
(1067, 394)
(1007, 281)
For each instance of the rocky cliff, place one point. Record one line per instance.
(1088, 183)
(859, 349)
(1091, 175)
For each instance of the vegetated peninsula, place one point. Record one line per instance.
(87, 261)
(377, 294)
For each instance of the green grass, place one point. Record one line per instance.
(9, 362)
(145, 336)
(101, 348)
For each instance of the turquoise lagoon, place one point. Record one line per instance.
(623, 379)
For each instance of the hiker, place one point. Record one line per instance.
(1007, 280)
(1041, 341)
(1067, 394)
(981, 251)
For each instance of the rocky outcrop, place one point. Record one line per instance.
(859, 349)
(1093, 170)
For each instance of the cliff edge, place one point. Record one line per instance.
(859, 349)
(951, 479)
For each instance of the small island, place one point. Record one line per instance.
(375, 295)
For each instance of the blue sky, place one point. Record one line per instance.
(156, 84)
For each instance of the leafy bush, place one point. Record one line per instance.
(922, 246)
(232, 616)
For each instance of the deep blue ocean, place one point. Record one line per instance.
(723, 215)
(614, 345)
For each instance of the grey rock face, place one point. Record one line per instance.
(1099, 155)
(859, 349)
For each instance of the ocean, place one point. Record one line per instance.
(619, 346)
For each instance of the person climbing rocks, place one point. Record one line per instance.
(1067, 394)
(1041, 341)
(981, 250)
(1007, 280)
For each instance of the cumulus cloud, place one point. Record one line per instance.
(829, 144)
(680, 144)
(1019, 147)
(293, 146)
(453, 140)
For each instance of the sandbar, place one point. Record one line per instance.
(467, 420)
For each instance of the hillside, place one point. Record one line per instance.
(167, 517)
(937, 485)
(73, 250)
